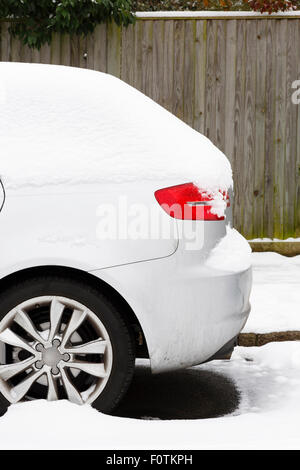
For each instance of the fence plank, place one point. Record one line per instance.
(55, 49)
(5, 43)
(158, 60)
(26, 54)
(270, 131)
(100, 48)
(220, 76)
(45, 54)
(290, 171)
(138, 54)
(90, 44)
(128, 58)
(83, 52)
(114, 42)
(249, 129)
(238, 151)
(147, 58)
(168, 77)
(178, 86)
(200, 75)
(74, 51)
(210, 89)
(260, 112)
(189, 72)
(35, 56)
(15, 51)
(230, 84)
(65, 50)
(297, 191)
(280, 120)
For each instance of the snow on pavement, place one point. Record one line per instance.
(275, 297)
(268, 379)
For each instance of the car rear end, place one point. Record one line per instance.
(193, 303)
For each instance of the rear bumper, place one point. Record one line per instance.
(226, 351)
(188, 312)
(204, 316)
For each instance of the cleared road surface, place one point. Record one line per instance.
(186, 394)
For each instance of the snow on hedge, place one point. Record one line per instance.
(67, 125)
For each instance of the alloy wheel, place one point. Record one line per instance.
(53, 353)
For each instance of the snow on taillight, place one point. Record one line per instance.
(188, 202)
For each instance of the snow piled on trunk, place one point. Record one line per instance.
(231, 254)
(67, 125)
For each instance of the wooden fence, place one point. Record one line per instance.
(230, 78)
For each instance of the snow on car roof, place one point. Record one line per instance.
(66, 125)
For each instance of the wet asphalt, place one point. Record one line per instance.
(185, 394)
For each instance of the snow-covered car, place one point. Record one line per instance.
(115, 240)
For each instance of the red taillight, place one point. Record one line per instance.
(187, 202)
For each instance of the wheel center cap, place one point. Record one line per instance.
(52, 356)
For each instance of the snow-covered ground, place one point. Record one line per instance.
(275, 297)
(267, 378)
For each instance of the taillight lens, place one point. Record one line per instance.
(188, 202)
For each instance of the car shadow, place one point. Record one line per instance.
(184, 394)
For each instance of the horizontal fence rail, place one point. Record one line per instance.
(230, 78)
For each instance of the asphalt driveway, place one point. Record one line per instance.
(187, 394)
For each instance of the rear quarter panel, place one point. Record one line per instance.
(82, 227)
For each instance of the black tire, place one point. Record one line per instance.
(4, 404)
(118, 331)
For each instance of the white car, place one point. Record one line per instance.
(115, 239)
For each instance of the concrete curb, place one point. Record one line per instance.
(283, 248)
(259, 339)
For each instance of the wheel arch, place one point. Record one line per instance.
(77, 274)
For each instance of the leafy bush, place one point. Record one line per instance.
(34, 21)
(257, 5)
(192, 5)
(273, 6)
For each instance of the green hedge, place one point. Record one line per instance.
(34, 21)
(231, 5)
(192, 5)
